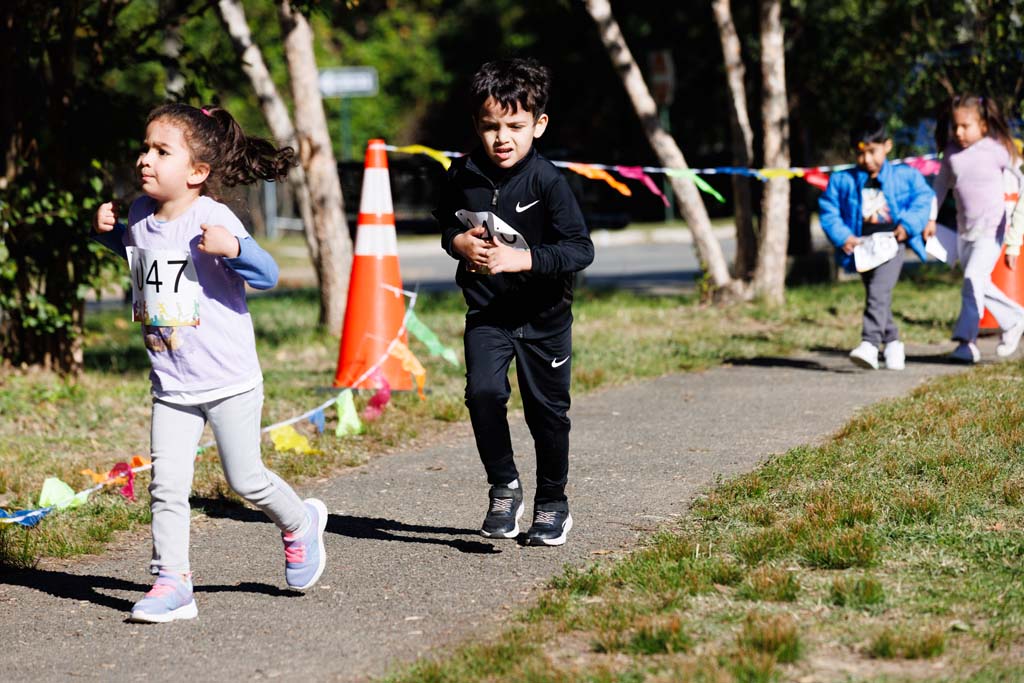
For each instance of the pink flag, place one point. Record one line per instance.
(379, 400)
(637, 173)
(925, 166)
(122, 472)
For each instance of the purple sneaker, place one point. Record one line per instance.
(168, 600)
(304, 558)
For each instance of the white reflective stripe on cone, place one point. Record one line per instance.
(376, 240)
(376, 196)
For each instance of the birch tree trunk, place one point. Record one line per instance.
(329, 224)
(690, 204)
(742, 139)
(232, 17)
(770, 274)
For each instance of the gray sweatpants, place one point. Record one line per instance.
(878, 326)
(979, 293)
(175, 434)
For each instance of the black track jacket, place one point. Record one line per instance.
(535, 199)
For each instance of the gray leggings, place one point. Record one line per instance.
(176, 431)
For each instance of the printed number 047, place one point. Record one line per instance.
(153, 276)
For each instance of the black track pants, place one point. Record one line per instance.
(543, 370)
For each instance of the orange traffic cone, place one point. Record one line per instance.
(1010, 281)
(376, 307)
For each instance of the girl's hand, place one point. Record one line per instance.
(105, 218)
(929, 230)
(851, 242)
(502, 259)
(900, 233)
(472, 246)
(218, 241)
(1011, 261)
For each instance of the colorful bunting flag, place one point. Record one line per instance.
(701, 184)
(285, 438)
(55, 493)
(318, 420)
(595, 173)
(816, 178)
(429, 339)
(24, 517)
(637, 173)
(784, 173)
(437, 155)
(122, 475)
(410, 364)
(379, 400)
(926, 166)
(348, 417)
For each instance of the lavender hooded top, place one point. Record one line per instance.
(975, 174)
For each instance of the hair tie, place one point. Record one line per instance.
(206, 112)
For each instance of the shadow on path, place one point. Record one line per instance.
(794, 363)
(87, 587)
(380, 529)
(368, 528)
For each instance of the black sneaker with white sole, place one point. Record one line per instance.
(551, 525)
(506, 507)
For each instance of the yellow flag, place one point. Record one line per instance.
(285, 438)
(434, 154)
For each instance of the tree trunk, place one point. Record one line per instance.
(232, 16)
(314, 146)
(770, 274)
(690, 204)
(742, 139)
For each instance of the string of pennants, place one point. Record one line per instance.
(58, 495)
(817, 176)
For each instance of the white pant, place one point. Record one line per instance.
(979, 293)
(175, 435)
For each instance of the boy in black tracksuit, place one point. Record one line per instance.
(519, 296)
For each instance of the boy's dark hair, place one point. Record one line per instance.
(215, 138)
(511, 82)
(870, 129)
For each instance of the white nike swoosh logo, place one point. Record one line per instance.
(520, 209)
(558, 363)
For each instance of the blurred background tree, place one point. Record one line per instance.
(77, 79)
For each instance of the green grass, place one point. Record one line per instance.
(55, 428)
(927, 492)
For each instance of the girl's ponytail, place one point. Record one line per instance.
(245, 159)
(215, 139)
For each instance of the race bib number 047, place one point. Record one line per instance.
(165, 289)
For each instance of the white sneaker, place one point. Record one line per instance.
(966, 352)
(895, 355)
(865, 355)
(1010, 339)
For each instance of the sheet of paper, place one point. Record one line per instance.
(497, 229)
(943, 245)
(874, 250)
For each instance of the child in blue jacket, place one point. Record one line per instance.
(876, 197)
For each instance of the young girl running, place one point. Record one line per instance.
(972, 166)
(190, 259)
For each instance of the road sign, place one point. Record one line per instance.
(348, 81)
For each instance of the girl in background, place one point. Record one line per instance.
(972, 166)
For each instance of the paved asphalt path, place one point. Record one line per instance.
(407, 573)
